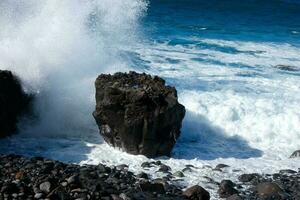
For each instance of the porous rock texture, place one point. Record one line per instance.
(138, 113)
(13, 102)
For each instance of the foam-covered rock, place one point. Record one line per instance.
(138, 113)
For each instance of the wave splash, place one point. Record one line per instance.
(58, 48)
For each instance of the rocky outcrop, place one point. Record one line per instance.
(138, 113)
(13, 101)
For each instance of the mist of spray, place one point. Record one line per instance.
(58, 48)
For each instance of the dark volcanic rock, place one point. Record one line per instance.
(226, 189)
(70, 182)
(295, 154)
(221, 166)
(152, 187)
(283, 185)
(234, 197)
(196, 193)
(287, 68)
(138, 113)
(269, 191)
(244, 178)
(13, 101)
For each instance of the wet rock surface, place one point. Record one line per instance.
(287, 68)
(284, 185)
(13, 102)
(40, 178)
(295, 154)
(197, 193)
(226, 189)
(138, 113)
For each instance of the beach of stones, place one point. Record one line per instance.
(40, 178)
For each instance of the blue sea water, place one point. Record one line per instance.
(224, 57)
(249, 20)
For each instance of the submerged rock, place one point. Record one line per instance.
(287, 68)
(221, 166)
(138, 113)
(13, 102)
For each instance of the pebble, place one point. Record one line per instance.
(221, 166)
(45, 187)
(38, 195)
(179, 174)
(38, 178)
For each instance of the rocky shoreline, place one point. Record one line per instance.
(141, 115)
(41, 178)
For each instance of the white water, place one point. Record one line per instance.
(59, 47)
(247, 117)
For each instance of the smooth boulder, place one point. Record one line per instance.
(138, 113)
(13, 102)
(196, 193)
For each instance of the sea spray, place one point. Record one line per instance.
(58, 48)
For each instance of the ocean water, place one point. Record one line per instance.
(222, 56)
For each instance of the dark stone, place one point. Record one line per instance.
(295, 154)
(197, 193)
(221, 166)
(158, 162)
(190, 166)
(179, 174)
(287, 171)
(269, 191)
(234, 197)
(122, 167)
(138, 113)
(142, 175)
(72, 181)
(146, 165)
(164, 168)
(187, 169)
(153, 187)
(287, 68)
(9, 188)
(226, 189)
(247, 177)
(45, 187)
(13, 102)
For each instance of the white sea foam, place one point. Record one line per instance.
(59, 47)
(241, 93)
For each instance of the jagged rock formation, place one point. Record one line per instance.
(138, 113)
(13, 101)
